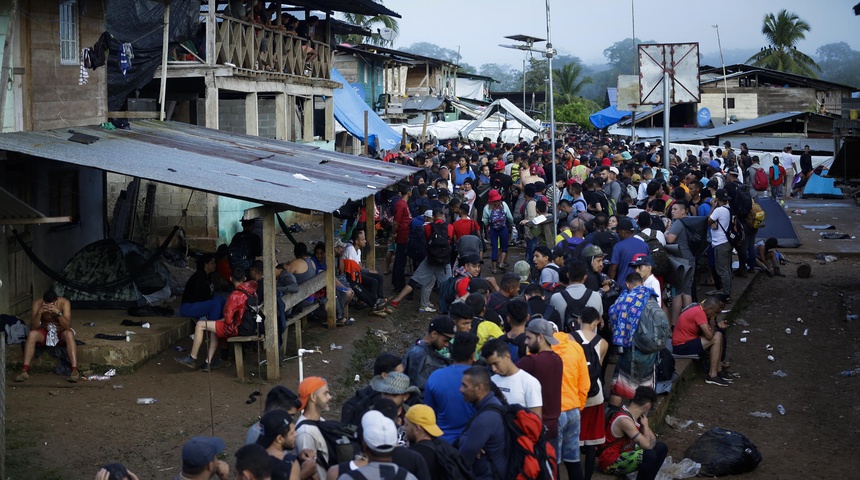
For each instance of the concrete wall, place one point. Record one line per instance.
(231, 116)
(746, 104)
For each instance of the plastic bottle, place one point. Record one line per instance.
(97, 378)
(799, 212)
(52, 339)
(848, 373)
(781, 409)
(146, 401)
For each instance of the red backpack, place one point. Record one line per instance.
(760, 180)
(531, 456)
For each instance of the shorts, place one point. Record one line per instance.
(221, 329)
(568, 436)
(693, 347)
(44, 332)
(628, 462)
(624, 383)
(391, 247)
(592, 426)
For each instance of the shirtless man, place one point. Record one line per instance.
(48, 311)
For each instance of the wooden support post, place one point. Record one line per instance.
(211, 102)
(5, 258)
(403, 139)
(329, 118)
(270, 306)
(211, 54)
(165, 39)
(252, 120)
(330, 286)
(281, 120)
(7, 59)
(366, 134)
(370, 232)
(308, 120)
(424, 129)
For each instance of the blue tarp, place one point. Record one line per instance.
(349, 108)
(820, 187)
(607, 117)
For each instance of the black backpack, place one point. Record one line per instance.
(439, 245)
(249, 325)
(574, 308)
(357, 405)
(416, 244)
(658, 253)
(340, 438)
(593, 359)
(572, 252)
(735, 233)
(605, 240)
(450, 461)
(665, 365)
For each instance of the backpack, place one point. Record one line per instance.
(653, 329)
(356, 406)
(385, 471)
(416, 244)
(250, 326)
(340, 438)
(735, 232)
(742, 201)
(447, 293)
(658, 253)
(439, 245)
(610, 202)
(450, 461)
(573, 309)
(605, 240)
(665, 366)
(572, 252)
(498, 219)
(386, 216)
(593, 359)
(760, 181)
(756, 217)
(530, 455)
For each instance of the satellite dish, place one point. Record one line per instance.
(703, 118)
(386, 34)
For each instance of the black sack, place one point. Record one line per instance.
(723, 452)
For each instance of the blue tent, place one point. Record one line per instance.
(819, 187)
(607, 117)
(349, 108)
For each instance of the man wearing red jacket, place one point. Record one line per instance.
(224, 328)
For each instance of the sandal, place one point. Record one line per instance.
(345, 323)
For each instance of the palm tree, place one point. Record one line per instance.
(783, 31)
(373, 23)
(568, 83)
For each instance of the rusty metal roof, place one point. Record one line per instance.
(263, 170)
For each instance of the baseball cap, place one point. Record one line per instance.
(543, 327)
(199, 451)
(424, 417)
(428, 214)
(500, 165)
(443, 192)
(714, 164)
(641, 259)
(636, 178)
(339, 243)
(593, 251)
(624, 223)
(378, 432)
(394, 383)
(712, 184)
(474, 259)
(432, 193)
(722, 195)
(605, 162)
(733, 171)
(274, 423)
(443, 324)
(614, 170)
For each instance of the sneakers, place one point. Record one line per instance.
(725, 376)
(186, 361)
(22, 376)
(428, 309)
(379, 313)
(720, 382)
(215, 365)
(74, 376)
(392, 304)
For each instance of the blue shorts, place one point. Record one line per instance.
(693, 347)
(568, 436)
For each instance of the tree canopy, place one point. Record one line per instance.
(839, 63)
(783, 31)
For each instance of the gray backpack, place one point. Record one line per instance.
(653, 329)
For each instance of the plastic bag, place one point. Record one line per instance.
(686, 468)
(724, 452)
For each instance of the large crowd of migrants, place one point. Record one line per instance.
(509, 380)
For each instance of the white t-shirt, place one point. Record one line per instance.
(520, 388)
(649, 231)
(310, 437)
(786, 160)
(652, 283)
(722, 216)
(352, 253)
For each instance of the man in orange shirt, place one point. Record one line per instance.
(575, 384)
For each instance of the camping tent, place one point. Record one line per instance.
(349, 110)
(777, 224)
(110, 261)
(498, 106)
(820, 187)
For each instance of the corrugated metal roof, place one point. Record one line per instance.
(363, 7)
(749, 124)
(691, 134)
(12, 208)
(246, 167)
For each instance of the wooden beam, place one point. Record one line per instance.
(35, 220)
(133, 114)
(252, 119)
(270, 305)
(370, 232)
(331, 292)
(211, 102)
(5, 260)
(165, 39)
(7, 59)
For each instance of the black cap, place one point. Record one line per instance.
(624, 223)
(443, 324)
(474, 259)
(722, 195)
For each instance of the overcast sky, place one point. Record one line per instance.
(584, 28)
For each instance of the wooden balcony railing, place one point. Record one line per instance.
(239, 43)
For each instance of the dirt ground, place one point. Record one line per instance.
(58, 430)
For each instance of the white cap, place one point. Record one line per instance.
(378, 432)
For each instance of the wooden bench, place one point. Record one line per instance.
(290, 300)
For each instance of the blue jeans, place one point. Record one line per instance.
(568, 436)
(212, 309)
(531, 243)
(498, 238)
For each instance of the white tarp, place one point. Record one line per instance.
(451, 130)
(765, 158)
(506, 106)
(470, 88)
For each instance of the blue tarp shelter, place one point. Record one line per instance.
(349, 108)
(820, 187)
(607, 117)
